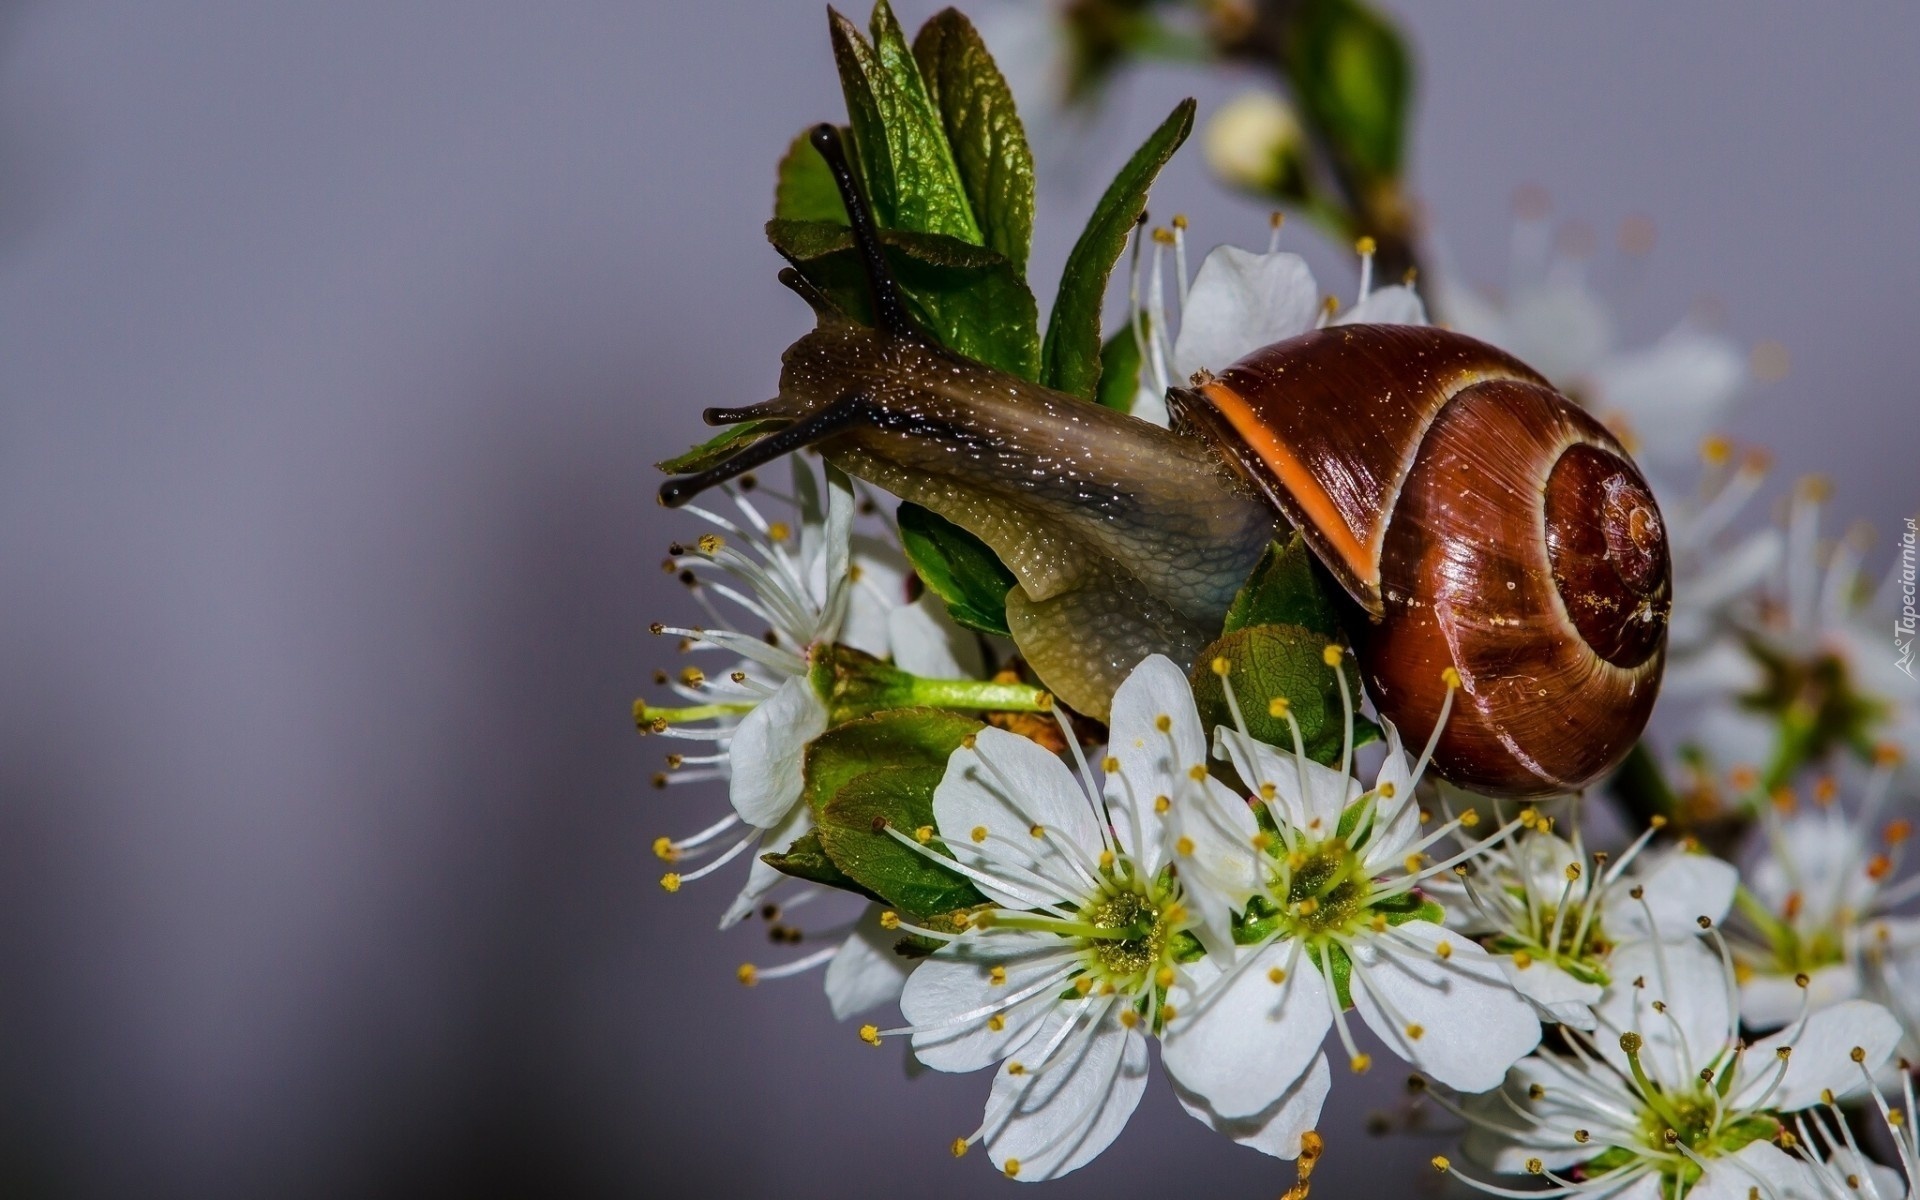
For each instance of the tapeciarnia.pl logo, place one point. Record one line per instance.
(1903, 625)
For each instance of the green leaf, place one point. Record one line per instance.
(804, 189)
(1120, 369)
(1269, 662)
(1070, 360)
(714, 449)
(957, 567)
(1354, 79)
(988, 142)
(878, 772)
(911, 178)
(969, 297)
(807, 859)
(1289, 587)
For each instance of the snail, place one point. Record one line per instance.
(1478, 520)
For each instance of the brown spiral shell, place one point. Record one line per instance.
(1483, 522)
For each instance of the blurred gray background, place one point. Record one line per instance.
(335, 343)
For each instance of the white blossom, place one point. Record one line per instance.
(1664, 1099)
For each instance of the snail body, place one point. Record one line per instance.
(1477, 519)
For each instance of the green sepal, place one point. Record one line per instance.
(957, 567)
(1609, 1160)
(911, 178)
(1289, 587)
(1330, 959)
(881, 771)
(1185, 948)
(715, 449)
(1120, 369)
(1408, 906)
(1071, 357)
(970, 298)
(855, 684)
(807, 859)
(983, 131)
(1352, 75)
(1256, 922)
(1268, 662)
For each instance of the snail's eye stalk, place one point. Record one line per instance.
(889, 309)
(816, 426)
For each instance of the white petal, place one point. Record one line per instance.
(957, 979)
(1221, 867)
(1239, 302)
(762, 878)
(1559, 329)
(1393, 305)
(1822, 1056)
(1568, 1098)
(1555, 993)
(1389, 845)
(1768, 1001)
(1244, 1040)
(1672, 393)
(1691, 981)
(1473, 1026)
(1276, 1129)
(1149, 404)
(767, 751)
(1153, 762)
(927, 642)
(1677, 889)
(1734, 1176)
(1062, 1117)
(871, 599)
(1006, 785)
(1317, 807)
(866, 973)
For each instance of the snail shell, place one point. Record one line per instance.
(1483, 522)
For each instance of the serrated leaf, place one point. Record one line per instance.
(911, 178)
(807, 859)
(881, 771)
(968, 297)
(1289, 587)
(1070, 360)
(715, 449)
(1120, 369)
(1268, 662)
(983, 130)
(957, 567)
(1350, 70)
(804, 189)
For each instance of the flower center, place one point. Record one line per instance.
(1132, 940)
(1327, 891)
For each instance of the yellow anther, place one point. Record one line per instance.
(1379, 923)
(670, 881)
(1801, 980)
(1016, 1068)
(1363, 246)
(1469, 819)
(1164, 977)
(1163, 236)
(1037, 830)
(1522, 960)
(1330, 305)
(1110, 764)
(1307, 907)
(1582, 1136)
(923, 835)
(870, 1034)
(1012, 1168)
(1386, 790)
(1296, 859)
(1162, 803)
(1277, 708)
(1441, 1163)
(1414, 863)
(1857, 1054)
(1106, 860)
(1129, 1018)
(997, 976)
(1167, 1013)
(1268, 791)
(748, 974)
(1179, 220)
(710, 543)
(1361, 1063)
(889, 919)
(968, 742)
(1083, 985)
(1630, 1042)
(1573, 872)
(996, 1022)
(1197, 772)
(1163, 722)
(1450, 677)
(1276, 975)
(1535, 1166)
(779, 531)
(664, 849)
(1220, 665)
(1173, 914)
(1332, 655)
(1184, 846)
(692, 676)
(1529, 817)
(1416, 1032)
(1262, 840)
(1444, 949)
(979, 833)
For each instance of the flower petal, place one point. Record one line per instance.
(1671, 393)
(1454, 1017)
(1768, 1001)
(1734, 1176)
(1396, 304)
(762, 878)
(1154, 762)
(958, 979)
(1276, 1129)
(1061, 1116)
(926, 642)
(866, 973)
(1239, 302)
(767, 750)
(1561, 1098)
(1554, 992)
(1241, 1040)
(1690, 981)
(1306, 794)
(1001, 789)
(1677, 889)
(1821, 1058)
